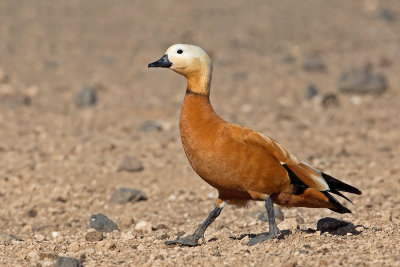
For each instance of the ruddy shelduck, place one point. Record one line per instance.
(240, 163)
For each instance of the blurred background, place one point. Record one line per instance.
(81, 115)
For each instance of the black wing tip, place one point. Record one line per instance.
(341, 195)
(339, 208)
(337, 185)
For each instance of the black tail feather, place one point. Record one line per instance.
(336, 185)
(340, 194)
(339, 208)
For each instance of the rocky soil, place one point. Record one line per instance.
(82, 119)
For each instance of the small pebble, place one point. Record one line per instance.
(55, 234)
(67, 262)
(86, 97)
(314, 63)
(94, 236)
(125, 195)
(150, 125)
(386, 14)
(288, 59)
(102, 223)
(126, 220)
(32, 213)
(330, 100)
(362, 82)
(143, 227)
(33, 255)
(74, 247)
(131, 164)
(159, 257)
(359, 229)
(127, 235)
(39, 237)
(310, 92)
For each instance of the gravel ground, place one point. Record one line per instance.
(64, 153)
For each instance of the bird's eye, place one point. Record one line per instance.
(179, 51)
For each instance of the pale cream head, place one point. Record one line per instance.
(187, 59)
(190, 61)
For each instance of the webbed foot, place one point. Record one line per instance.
(189, 241)
(263, 237)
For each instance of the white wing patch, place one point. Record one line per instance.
(318, 178)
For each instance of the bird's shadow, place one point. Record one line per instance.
(282, 235)
(340, 231)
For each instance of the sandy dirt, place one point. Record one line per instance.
(59, 164)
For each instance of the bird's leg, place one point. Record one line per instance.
(191, 240)
(273, 228)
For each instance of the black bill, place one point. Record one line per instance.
(161, 63)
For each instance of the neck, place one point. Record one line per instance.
(199, 82)
(197, 114)
(190, 92)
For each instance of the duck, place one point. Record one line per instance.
(240, 163)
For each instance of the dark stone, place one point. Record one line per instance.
(150, 125)
(32, 213)
(86, 97)
(330, 224)
(362, 82)
(330, 100)
(387, 14)
(310, 92)
(314, 63)
(279, 216)
(289, 59)
(159, 257)
(94, 236)
(131, 164)
(27, 100)
(67, 262)
(102, 223)
(61, 199)
(125, 195)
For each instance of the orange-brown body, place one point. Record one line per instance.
(235, 160)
